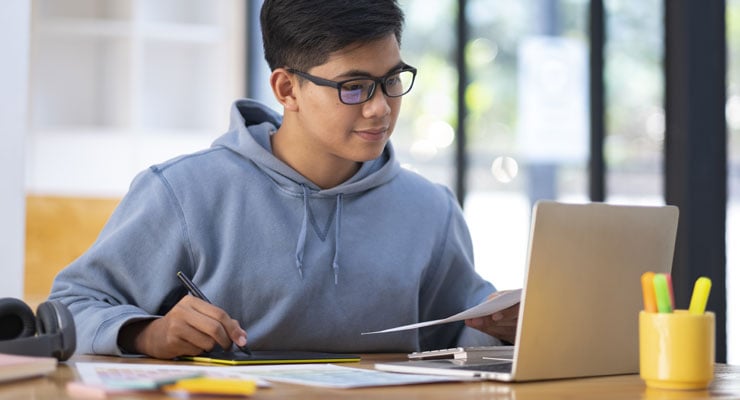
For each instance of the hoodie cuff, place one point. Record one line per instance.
(105, 340)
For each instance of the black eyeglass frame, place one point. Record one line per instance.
(376, 82)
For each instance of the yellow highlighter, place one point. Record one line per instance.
(213, 386)
(700, 295)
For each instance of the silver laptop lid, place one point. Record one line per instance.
(582, 291)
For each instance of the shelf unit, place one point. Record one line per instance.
(119, 85)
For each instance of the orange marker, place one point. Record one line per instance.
(648, 292)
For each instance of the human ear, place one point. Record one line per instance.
(283, 85)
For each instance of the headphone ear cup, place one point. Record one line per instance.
(16, 319)
(47, 320)
(55, 321)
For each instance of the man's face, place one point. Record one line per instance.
(358, 132)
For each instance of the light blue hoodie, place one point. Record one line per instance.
(301, 268)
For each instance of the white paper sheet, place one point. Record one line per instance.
(98, 374)
(322, 375)
(503, 299)
(340, 377)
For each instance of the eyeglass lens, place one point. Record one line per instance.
(360, 90)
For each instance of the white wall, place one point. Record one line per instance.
(15, 25)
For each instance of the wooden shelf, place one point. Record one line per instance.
(128, 75)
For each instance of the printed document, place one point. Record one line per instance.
(500, 300)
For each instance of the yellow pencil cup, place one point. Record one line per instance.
(677, 349)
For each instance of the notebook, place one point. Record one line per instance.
(581, 295)
(20, 367)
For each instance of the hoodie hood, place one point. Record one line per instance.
(250, 128)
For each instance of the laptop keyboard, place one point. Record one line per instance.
(498, 367)
(502, 352)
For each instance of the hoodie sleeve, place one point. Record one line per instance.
(452, 285)
(129, 272)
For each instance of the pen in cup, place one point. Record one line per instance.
(662, 293)
(669, 281)
(648, 292)
(197, 293)
(700, 295)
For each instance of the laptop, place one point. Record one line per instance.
(581, 297)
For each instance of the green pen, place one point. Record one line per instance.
(662, 293)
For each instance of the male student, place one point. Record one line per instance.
(302, 229)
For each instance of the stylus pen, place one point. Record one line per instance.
(197, 293)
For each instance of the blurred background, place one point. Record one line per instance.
(115, 86)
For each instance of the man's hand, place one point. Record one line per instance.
(190, 328)
(501, 324)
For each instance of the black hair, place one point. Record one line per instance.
(301, 34)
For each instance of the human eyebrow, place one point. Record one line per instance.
(356, 73)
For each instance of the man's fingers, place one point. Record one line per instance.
(238, 335)
(212, 323)
(497, 316)
(167, 337)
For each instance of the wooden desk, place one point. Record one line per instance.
(726, 385)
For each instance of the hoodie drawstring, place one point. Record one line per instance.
(301, 246)
(302, 235)
(337, 233)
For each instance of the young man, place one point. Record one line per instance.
(303, 229)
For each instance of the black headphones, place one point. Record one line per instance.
(51, 333)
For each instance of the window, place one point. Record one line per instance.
(732, 111)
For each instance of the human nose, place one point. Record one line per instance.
(377, 105)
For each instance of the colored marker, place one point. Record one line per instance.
(700, 295)
(669, 281)
(212, 387)
(648, 292)
(662, 296)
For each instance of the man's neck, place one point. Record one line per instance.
(324, 170)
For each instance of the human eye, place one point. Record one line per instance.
(356, 91)
(393, 79)
(398, 83)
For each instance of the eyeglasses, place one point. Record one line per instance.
(360, 90)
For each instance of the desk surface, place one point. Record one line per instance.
(725, 385)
